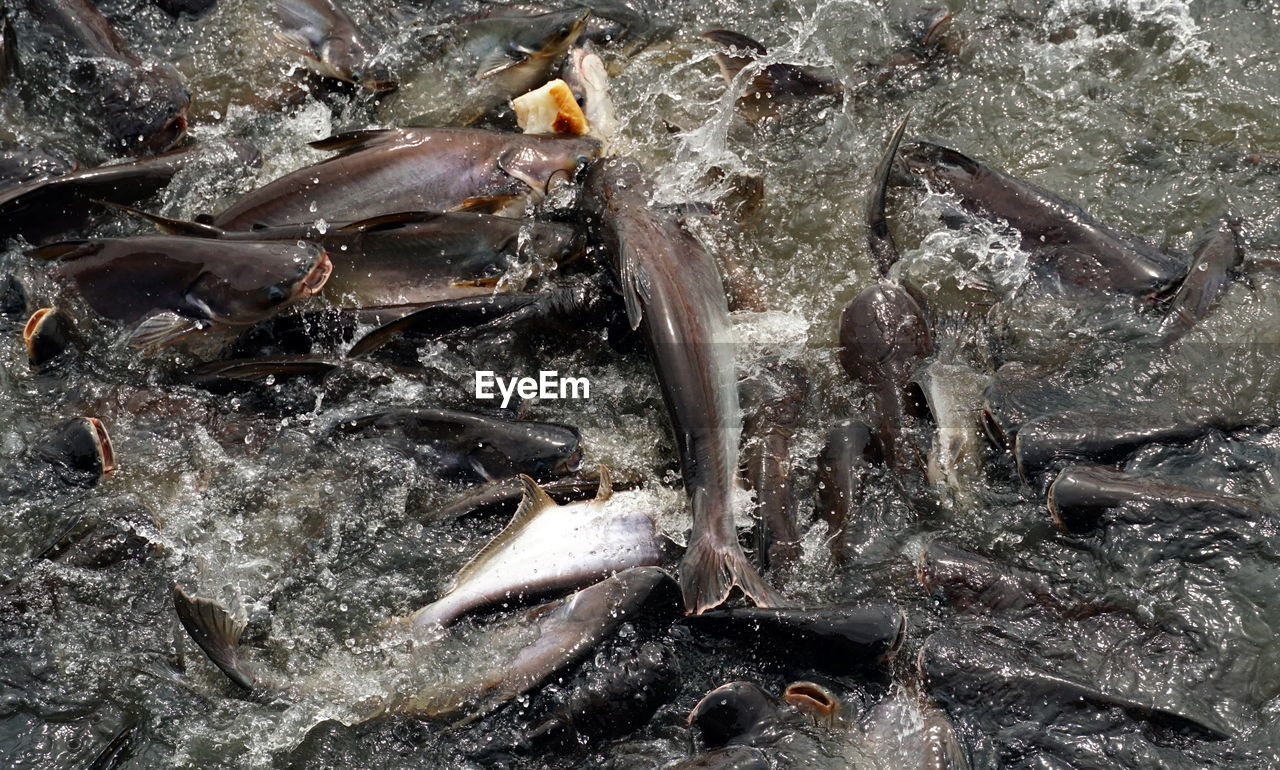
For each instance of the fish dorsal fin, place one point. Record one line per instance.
(636, 288)
(535, 501)
(352, 141)
(879, 237)
(64, 250)
(218, 634)
(165, 224)
(164, 329)
(604, 487)
(295, 42)
(391, 221)
(499, 61)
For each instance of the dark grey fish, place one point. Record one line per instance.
(178, 286)
(965, 673)
(191, 8)
(474, 446)
(672, 289)
(50, 337)
(118, 749)
(20, 164)
(1017, 394)
(777, 88)
(1082, 497)
(79, 450)
(838, 638)
(884, 339)
(1213, 265)
(842, 470)
(546, 639)
(1103, 436)
(414, 257)
(60, 206)
(1084, 252)
(879, 236)
(331, 43)
(735, 713)
(140, 108)
(775, 398)
(617, 696)
(383, 171)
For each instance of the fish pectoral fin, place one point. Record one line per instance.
(165, 224)
(351, 141)
(391, 221)
(216, 632)
(604, 487)
(499, 61)
(637, 290)
(164, 329)
(295, 42)
(492, 204)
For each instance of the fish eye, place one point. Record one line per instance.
(276, 295)
(564, 31)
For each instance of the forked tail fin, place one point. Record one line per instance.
(709, 571)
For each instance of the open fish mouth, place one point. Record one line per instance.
(105, 451)
(32, 328)
(317, 276)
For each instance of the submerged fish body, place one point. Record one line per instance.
(1213, 264)
(547, 547)
(674, 292)
(469, 444)
(383, 171)
(331, 43)
(907, 731)
(177, 286)
(777, 88)
(1084, 252)
(842, 471)
(140, 108)
(1081, 496)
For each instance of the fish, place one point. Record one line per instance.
(777, 88)
(561, 306)
(189, 8)
(50, 336)
(906, 730)
(1102, 436)
(885, 337)
(331, 43)
(619, 695)
(137, 108)
(1081, 497)
(674, 294)
(119, 749)
(778, 394)
(962, 672)
(414, 257)
(20, 164)
(968, 581)
(383, 171)
(177, 286)
(839, 638)
(1082, 251)
(547, 548)
(471, 445)
(1214, 263)
(511, 55)
(814, 701)
(507, 659)
(735, 713)
(1017, 394)
(59, 206)
(954, 395)
(78, 450)
(842, 470)
(505, 495)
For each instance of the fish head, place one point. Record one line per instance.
(542, 162)
(348, 60)
(733, 711)
(547, 241)
(80, 451)
(143, 110)
(880, 326)
(957, 576)
(259, 282)
(549, 35)
(47, 334)
(541, 450)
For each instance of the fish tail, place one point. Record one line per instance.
(211, 626)
(709, 571)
